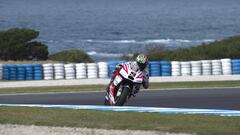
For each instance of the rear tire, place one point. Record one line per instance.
(123, 97)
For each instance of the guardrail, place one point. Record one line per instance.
(104, 69)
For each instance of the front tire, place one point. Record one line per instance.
(106, 102)
(123, 97)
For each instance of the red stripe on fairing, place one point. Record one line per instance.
(115, 73)
(125, 68)
(140, 76)
(112, 89)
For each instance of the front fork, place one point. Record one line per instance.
(112, 89)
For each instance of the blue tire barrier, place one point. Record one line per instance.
(111, 67)
(235, 66)
(235, 60)
(121, 62)
(21, 72)
(6, 75)
(165, 63)
(37, 72)
(29, 71)
(12, 72)
(1, 71)
(166, 74)
(236, 72)
(155, 68)
(165, 68)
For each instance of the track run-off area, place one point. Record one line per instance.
(216, 101)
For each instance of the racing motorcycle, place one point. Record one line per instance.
(127, 82)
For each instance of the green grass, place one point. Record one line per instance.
(53, 89)
(103, 87)
(200, 124)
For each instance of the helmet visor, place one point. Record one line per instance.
(142, 66)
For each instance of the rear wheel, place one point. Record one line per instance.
(120, 100)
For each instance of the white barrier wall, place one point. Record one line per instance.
(216, 67)
(226, 66)
(69, 71)
(176, 68)
(59, 72)
(81, 71)
(102, 70)
(206, 67)
(48, 71)
(92, 70)
(186, 68)
(196, 67)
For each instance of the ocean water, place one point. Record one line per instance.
(106, 29)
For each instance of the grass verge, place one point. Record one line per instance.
(103, 87)
(53, 89)
(199, 124)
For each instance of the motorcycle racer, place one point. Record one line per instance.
(140, 63)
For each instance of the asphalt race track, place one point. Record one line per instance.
(221, 98)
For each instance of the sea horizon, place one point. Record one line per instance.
(107, 29)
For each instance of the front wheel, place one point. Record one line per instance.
(120, 100)
(106, 102)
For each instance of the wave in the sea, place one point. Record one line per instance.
(163, 41)
(94, 53)
(101, 47)
(149, 41)
(111, 41)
